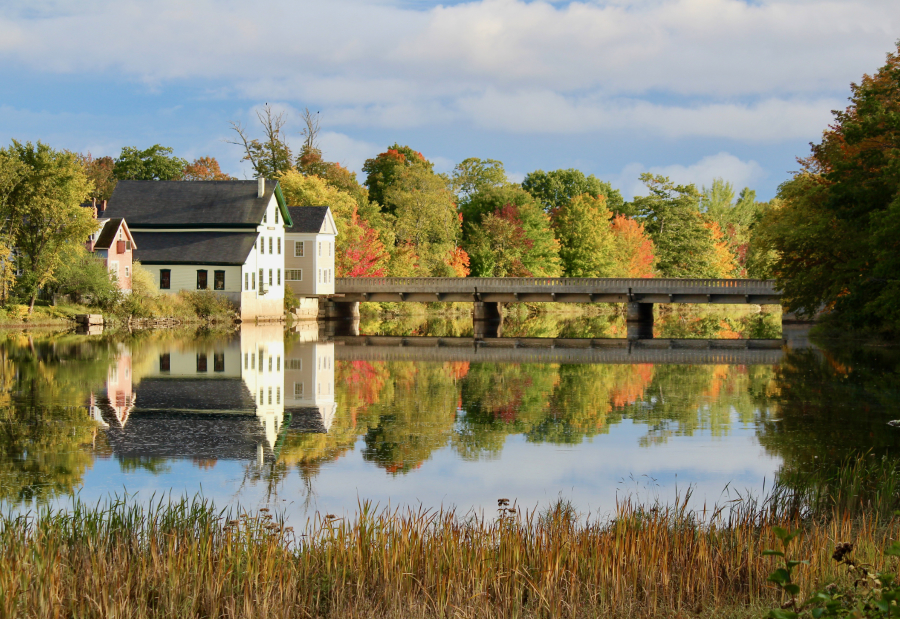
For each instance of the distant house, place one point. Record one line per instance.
(113, 243)
(224, 236)
(309, 262)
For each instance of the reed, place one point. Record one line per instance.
(184, 558)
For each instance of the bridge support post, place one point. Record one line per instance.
(487, 319)
(334, 310)
(639, 320)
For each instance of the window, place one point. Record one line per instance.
(270, 244)
(201, 362)
(246, 281)
(298, 390)
(261, 357)
(127, 272)
(298, 249)
(276, 216)
(278, 363)
(293, 364)
(260, 397)
(261, 280)
(165, 362)
(219, 280)
(270, 363)
(279, 245)
(219, 362)
(246, 360)
(278, 395)
(277, 282)
(127, 245)
(253, 361)
(320, 276)
(165, 279)
(114, 267)
(320, 248)
(270, 277)
(293, 275)
(202, 284)
(266, 216)
(262, 245)
(329, 249)
(253, 281)
(270, 395)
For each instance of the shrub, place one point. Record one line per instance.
(207, 304)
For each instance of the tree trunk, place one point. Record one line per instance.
(31, 305)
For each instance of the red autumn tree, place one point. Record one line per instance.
(204, 169)
(364, 254)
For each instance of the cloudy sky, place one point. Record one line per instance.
(690, 88)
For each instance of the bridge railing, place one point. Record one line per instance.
(560, 284)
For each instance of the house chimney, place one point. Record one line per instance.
(261, 187)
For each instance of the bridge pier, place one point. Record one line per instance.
(487, 319)
(335, 310)
(639, 320)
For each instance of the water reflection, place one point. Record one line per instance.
(259, 415)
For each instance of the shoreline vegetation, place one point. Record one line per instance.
(186, 558)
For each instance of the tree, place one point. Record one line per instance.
(84, 276)
(204, 169)
(12, 174)
(671, 216)
(426, 217)
(585, 237)
(385, 169)
(557, 187)
(45, 212)
(632, 248)
(837, 232)
(499, 245)
(735, 219)
(100, 172)
(152, 164)
(542, 257)
(474, 175)
(271, 155)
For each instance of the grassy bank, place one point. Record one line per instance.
(186, 559)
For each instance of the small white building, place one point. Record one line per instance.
(223, 236)
(309, 261)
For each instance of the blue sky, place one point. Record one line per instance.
(690, 88)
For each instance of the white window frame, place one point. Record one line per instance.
(298, 245)
(298, 393)
(289, 275)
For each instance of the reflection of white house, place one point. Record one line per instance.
(113, 404)
(223, 236)
(309, 383)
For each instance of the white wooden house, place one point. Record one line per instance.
(309, 261)
(224, 236)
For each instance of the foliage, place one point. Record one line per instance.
(384, 171)
(497, 247)
(100, 172)
(474, 175)
(632, 248)
(459, 261)
(208, 304)
(838, 231)
(585, 237)
(152, 164)
(204, 169)
(426, 217)
(735, 221)
(44, 212)
(85, 278)
(556, 188)
(685, 246)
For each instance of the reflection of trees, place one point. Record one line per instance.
(832, 405)
(46, 433)
(418, 324)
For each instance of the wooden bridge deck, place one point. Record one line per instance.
(556, 290)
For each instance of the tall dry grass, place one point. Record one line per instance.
(183, 558)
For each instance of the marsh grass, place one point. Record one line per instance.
(184, 558)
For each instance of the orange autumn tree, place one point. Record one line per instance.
(633, 248)
(204, 169)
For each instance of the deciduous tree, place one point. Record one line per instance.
(475, 175)
(633, 249)
(204, 169)
(100, 172)
(270, 155)
(557, 187)
(585, 238)
(152, 164)
(383, 171)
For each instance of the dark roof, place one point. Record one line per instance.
(306, 419)
(307, 219)
(193, 247)
(108, 233)
(194, 394)
(189, 203)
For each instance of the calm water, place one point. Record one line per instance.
(304, 422)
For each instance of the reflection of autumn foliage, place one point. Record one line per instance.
(204, 463)
(362, 381)
(631, 388)
(458, 369)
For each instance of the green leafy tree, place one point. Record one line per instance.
(270, 155)
(474, 175)
(12, 174)
(152, 164)
(383, 171)
(557, 187)
(45, 212)
(425, 218)
(84, 277)
(685, 247)
(499, 246)
(100, 172)
(587, 244)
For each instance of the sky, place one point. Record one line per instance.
(693, 89)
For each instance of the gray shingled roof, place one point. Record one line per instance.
(216, 248)
(108, 233)
(189, 203)
(307, 219)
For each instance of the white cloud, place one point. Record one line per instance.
(722, 165)
(347, 151)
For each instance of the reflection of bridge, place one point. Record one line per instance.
(487, 292)
(543, 350)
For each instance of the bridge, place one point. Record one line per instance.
(486, 293)
(564, 351)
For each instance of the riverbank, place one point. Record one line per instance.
(186, 558)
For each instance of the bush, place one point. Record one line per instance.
(86, 279)
(207, 304)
